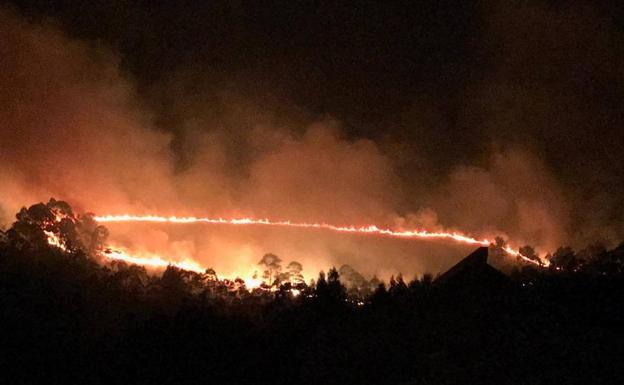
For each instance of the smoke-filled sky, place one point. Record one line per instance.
(493, 118)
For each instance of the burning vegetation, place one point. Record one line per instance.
(55, 224)
(76, 313)
(362, 230)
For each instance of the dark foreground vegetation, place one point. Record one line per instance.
(66, 317)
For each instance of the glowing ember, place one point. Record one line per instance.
(54, 240)
(367, 229)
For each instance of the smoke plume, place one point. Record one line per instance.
(503, 156)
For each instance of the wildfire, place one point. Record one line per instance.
(158, 261)
(152, 260)
(366, 229)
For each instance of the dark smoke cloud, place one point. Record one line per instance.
(555, 91)
(531, 144)
(523, 141)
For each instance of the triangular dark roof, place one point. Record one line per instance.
(472, 271)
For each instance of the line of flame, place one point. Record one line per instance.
(151, 260)
(157, 261)
(368, 229)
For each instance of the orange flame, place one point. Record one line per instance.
(157, 261)
(152, 260)
(54, 240)
(367, 229)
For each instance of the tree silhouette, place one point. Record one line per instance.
(35, 224)
(330, 290)
(529, 252)
(272, 268)
(294, 275)
(564, 259)
(397, 286)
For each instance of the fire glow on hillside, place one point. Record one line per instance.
(158, 261)
(362, 230)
